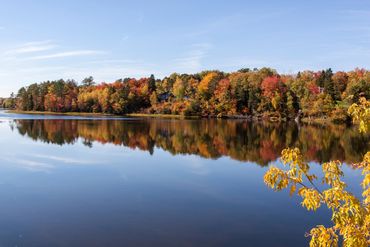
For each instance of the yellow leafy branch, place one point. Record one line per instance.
(350, 215)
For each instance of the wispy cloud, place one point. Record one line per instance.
(196, 165)
(114, 61)
(223, 23)
(30, 164)
(67, 54)
(31, 47)
(64, 159)
(140, 17)
(34, 165)
(192, 60)
(43, 69)
(240, 62)
(37, 49)
(356, 12)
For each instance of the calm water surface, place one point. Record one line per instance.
(67, 181)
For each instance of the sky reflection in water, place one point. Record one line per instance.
(156, 183)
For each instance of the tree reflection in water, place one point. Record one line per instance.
(240, 140)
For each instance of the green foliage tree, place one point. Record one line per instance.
(88, 81)
(179, 88)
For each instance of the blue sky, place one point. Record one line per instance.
(45, 40)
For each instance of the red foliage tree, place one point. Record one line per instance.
(270, 85)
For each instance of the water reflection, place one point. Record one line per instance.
(239, 140)
(60, 185)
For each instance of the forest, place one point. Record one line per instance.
(247, 93)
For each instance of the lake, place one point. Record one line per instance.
(74, 181)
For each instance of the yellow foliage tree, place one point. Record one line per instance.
(350, 215)
(208, 84)
(361, 113)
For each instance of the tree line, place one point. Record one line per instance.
(253, 93)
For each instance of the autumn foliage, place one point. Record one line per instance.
(350, 214)
(245, 93)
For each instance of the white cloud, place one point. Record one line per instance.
(114, 61)
(41, 69)
(64, 160)
(24, 63)
(66, 54)
(192, 60)
(30, 164)
(28, 49)
(31, 47)
(239, 62)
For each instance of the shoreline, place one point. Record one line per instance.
(92, 114)
(320, 121)
(77, 114)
